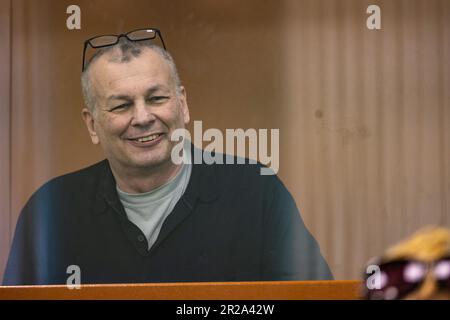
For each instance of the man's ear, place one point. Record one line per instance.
(90, 124)
(184, 106)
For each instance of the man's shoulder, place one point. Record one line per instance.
(87, 174)
(80, 181)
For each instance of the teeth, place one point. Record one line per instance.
(148, 138)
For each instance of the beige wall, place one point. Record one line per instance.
(5, 166)
(364, 116)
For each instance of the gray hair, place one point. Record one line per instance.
(126, 50)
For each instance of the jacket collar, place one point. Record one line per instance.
(202, 186)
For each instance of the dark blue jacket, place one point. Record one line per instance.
(231, 224)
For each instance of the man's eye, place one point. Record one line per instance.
(158, 99)
(120, 107)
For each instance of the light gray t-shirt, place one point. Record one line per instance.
(149, 210)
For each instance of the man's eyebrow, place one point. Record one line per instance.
(119, 97)
(154, 89)
(149, 92)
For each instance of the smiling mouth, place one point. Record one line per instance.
(147, 138)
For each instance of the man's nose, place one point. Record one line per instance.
(142, 115)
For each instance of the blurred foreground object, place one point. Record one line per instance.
(416, 268)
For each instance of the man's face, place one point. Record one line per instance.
(137, 109)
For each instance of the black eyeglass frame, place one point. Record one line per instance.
(118, 36)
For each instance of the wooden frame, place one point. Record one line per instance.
(270, 290)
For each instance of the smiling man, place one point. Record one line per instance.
(139, 217)
(138, 105)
